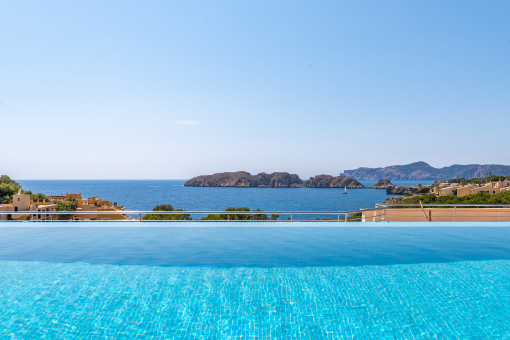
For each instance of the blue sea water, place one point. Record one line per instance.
(146, 194)
(320, 280)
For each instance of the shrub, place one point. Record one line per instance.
(241, 217)
(166, 207)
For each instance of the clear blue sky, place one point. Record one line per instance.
(166, 89)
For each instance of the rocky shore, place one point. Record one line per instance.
(398, 199)
(273, 180)
(394, 199)
(401, 190)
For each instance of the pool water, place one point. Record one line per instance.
(268, 280)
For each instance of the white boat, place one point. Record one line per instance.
(345, 190)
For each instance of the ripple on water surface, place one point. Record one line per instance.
(459, 299)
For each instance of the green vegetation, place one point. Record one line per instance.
(356, 217)
(7, 180)
(497, 178)
(70, 205)
(425, 196)
(424, 189)
(166, 207)
(36, 197)
(241, 217)
(479, 198)
(8, 187)
(73, 203)
(6, 192)
(62, 206)
(483, 180)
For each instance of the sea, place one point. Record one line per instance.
(146, 194)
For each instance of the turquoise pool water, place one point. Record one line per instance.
(393, 281)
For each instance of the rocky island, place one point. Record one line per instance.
(382, 184)
(328, 181)
(392, 189)
(273, 180)
(245, 179)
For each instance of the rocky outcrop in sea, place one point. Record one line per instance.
(224, 179)
(328, 181)
(273, 180)
(278, 180)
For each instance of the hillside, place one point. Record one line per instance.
(479, 198)
(423, 171)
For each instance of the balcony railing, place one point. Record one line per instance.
(444, 213)
(138, 216)
(390, 212)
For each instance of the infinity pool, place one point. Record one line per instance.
(247, 280)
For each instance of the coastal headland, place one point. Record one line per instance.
(423, 171)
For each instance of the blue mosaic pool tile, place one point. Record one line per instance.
(417, 301)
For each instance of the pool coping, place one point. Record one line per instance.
(249, 224)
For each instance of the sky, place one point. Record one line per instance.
(174, 89)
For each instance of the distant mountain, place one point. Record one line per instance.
(274, 180)
(423, 171)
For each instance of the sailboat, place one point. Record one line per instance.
(345, 190)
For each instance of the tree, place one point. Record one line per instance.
(8, 188)
(166, 207)
(495, 178)
(73, 204)
(62, 206)
(6, 192)
(37, 197)
(7, 180)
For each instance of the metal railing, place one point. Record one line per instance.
(387, 212)
(138, 216)
(452, 205)
(447, 212)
